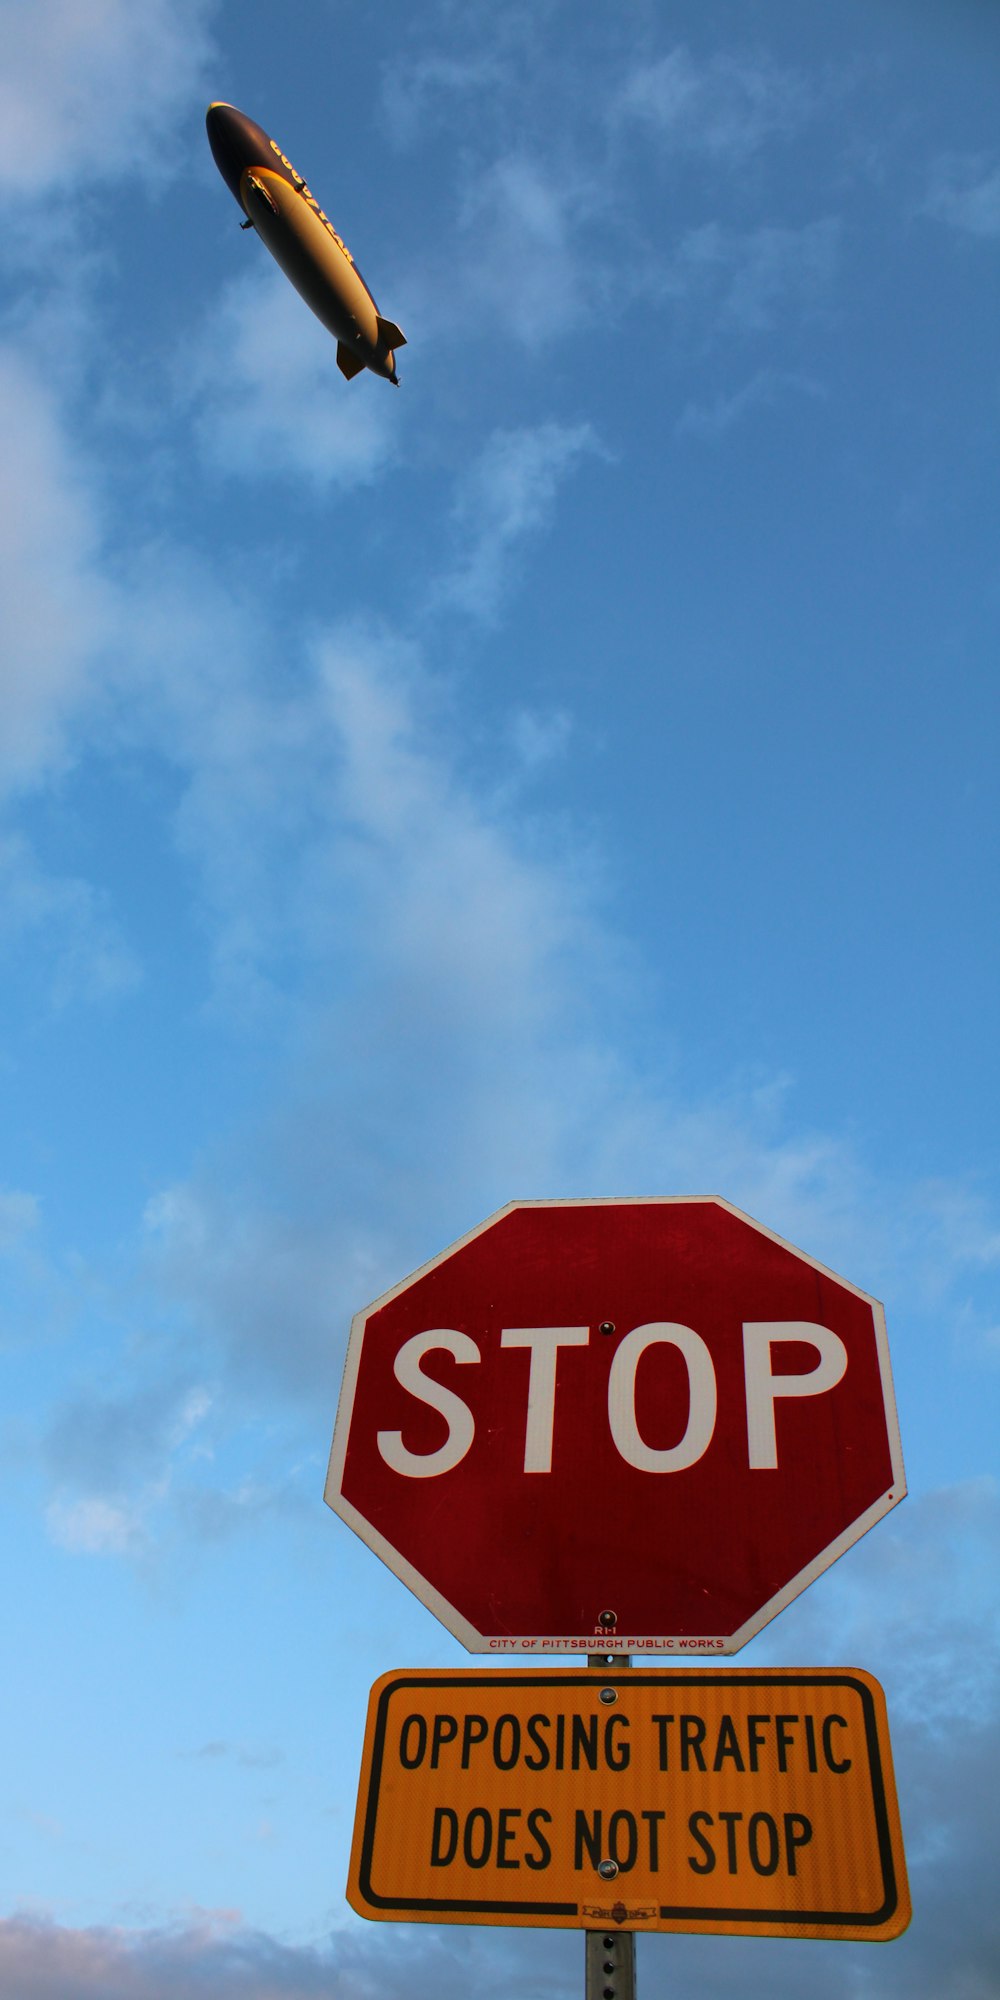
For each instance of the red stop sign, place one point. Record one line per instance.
(627, 1425)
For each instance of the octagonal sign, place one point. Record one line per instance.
(639, 1426)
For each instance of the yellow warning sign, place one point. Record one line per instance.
(671, 1800)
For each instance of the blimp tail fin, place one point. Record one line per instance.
(390, 333)
(348, 363)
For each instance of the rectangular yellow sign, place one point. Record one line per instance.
(750, 1802)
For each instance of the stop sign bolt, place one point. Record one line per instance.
(607, 1619)
(607, 1326)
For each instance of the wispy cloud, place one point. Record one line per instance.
(90, 88)
(465, 1027)
(218, 1954)
(109, 1439)
(965, 192)
(269, 398)
(39, 1294)
(714, 420)
(114, 1460)
(437, 954)
(176, 1477)
(547, 240)
(914, 1601)
(93, 1526)
(522, 263)
(69, 926)
(507, 497)
(18, 1217)
(722, 107)
(56, 613)
(420, 91)
(251, 1758)
(961, 1222)
(756, 279)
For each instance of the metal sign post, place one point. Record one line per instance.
(610, 1965)
(610, 1955)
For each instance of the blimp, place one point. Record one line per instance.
(301, 238)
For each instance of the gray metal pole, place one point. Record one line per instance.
(610, 1965)
(610, 1954)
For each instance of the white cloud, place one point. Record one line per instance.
(960, 1223)
(713, 420)
(56, 615)
(18, 1217)
(454, 973)
(965, 192)
(724, 108)
(522, 266)
(547, 240)
(435, 952)
(68, 925)
(94, 1526)
(467, 1026)
(755, 279)
(117, 1461)
(209, 690)
(508, 496)
(40, 1297)
(270, 398)
(540, 739)
(216, 1953)
(90, 88)
(419, 91)
(454, 905)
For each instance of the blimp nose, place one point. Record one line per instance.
(236, 143)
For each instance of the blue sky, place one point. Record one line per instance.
(573, 773)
